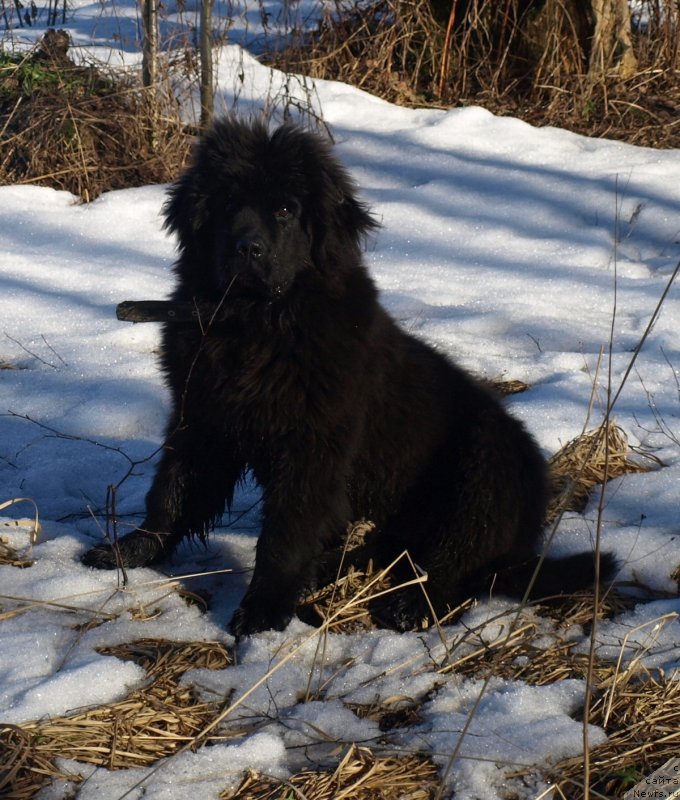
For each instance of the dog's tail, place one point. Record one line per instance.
(555, 576)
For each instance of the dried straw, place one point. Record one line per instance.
(361, 775)
(161, 658)
(398, 711)
(9, 556)
(84, 129)
(675, 576)
(384, 47)
(150, 724)
(641, 716)
(508, 387)
(577, 609)
(334, 600)
(586, 461)
(32, 526)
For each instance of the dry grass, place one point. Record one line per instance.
(391, 712)
(521, 653)
(150, 724)
(361, 775)
(384, 47)
(9, 556)
(332, 602)
(640, 713)
(515, 58)
(90, 129)
(84, 129)
(676, 576)
(508, 387)
(577, 609)
(638, 710)
(586, 461)
(170, 660)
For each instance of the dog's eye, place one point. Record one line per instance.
(283, 214)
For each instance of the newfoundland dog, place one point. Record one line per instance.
(289, 367)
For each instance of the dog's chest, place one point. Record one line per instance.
(270, 382)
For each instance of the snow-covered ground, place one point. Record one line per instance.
(517, 251)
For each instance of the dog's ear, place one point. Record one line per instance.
(341, 217)
(186, 209)
(340, 222)
(353, 214)
(337, 219)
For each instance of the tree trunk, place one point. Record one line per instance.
(207, 88)
(150, 64)
(611, 50)
(150, 44)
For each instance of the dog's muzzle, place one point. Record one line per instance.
(251, 248)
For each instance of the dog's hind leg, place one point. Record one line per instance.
(481, 499)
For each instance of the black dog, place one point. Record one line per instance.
(298, 374)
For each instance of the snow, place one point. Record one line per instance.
(518, 251)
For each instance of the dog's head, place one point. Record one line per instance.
(257, 209)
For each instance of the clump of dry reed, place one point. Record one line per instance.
(170, 660)
(84, 129)
(385, 47)
(10, 556)
(332, 602)
(150, 724)
(360, 775)
(507, 387)
(588, 461)
(640, 712)
(533, 60)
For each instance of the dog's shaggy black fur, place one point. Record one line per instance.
(303, 378)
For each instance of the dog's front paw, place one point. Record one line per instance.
(253, 617)
(137, 549)
(102, 556)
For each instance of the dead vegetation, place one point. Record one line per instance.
(589, 460)
(83, 129)
(360, 775)
(89, 129)
(640, 713)
(151, 723)
(331, 604)
(170, 660)
(533, 60)
(639, 709)
(10, 556)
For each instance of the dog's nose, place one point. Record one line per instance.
(250, 248)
